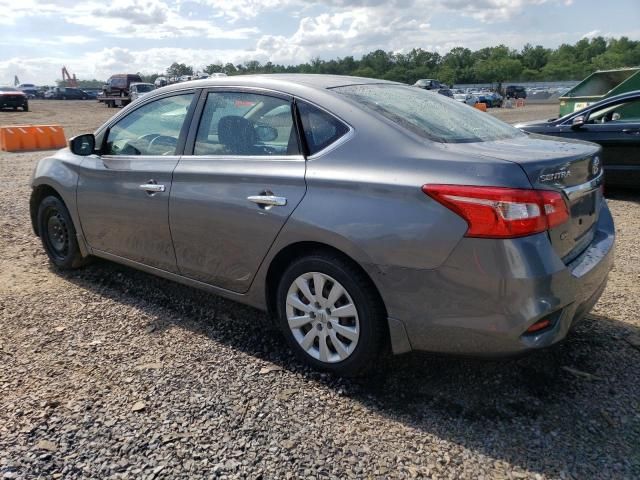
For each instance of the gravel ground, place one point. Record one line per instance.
(108, 372)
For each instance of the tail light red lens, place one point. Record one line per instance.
(498, 212)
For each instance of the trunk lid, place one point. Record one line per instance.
(570, 166)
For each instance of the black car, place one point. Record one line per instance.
(515, 91)
(446, 92)
(13, 98)
(66, 93)
(614, 123)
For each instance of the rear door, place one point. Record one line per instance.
(123, 194)
(234, 192)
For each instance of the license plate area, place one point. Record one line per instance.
(584, 213)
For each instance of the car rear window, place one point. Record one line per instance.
(429, 114)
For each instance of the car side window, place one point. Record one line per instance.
(321, 129)
(239, 123)
(152, 129)
(620, 112)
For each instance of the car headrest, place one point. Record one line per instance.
(237, 134)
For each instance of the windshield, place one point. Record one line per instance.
(429, 114)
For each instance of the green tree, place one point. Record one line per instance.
(213, 68)
(179, 69)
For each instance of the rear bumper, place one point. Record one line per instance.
(488, 293)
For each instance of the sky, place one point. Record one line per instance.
(95, 39)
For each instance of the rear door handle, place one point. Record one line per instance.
(268, 200)
(152, 187)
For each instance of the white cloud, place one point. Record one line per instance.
(591, 34)
(97, 39)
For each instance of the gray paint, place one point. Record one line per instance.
(442, 291)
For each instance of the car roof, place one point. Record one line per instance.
(282, 80)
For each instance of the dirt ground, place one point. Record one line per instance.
(107, 372)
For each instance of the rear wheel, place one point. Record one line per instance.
(331, 315)
(58, 234)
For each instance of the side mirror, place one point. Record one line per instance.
(578, 122)
(83, 145)
(266, 133)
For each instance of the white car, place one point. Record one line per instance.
(467, 98)
(137, 89)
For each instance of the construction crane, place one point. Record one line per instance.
(67, 79)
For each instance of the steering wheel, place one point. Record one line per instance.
(150, 137)
(164, 141)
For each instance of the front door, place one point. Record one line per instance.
(231, 197)
(123, 194)
(615, 126)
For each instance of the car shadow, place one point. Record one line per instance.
(528, 411)
(624, 194)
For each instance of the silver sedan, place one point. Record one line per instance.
(364, 215)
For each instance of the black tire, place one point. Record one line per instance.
(64, 97)
(58, 234)
(369, 349)
(15, 109)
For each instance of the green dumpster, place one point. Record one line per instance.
(599, 85)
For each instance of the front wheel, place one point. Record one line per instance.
(331, 314)
(58, 234)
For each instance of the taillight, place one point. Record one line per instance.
(498, 212)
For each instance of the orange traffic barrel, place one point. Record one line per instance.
(481, 106)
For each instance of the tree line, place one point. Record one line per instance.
(460, 65)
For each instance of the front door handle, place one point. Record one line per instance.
(631, 131)
(268, 200)
(152, 187)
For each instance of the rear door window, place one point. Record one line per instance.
(321, 129)
(241, 123)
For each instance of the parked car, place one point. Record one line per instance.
(491, 99)
(467, 98)
(118, 85)
(65, 93)
(137, 90)
(515, 91)
(614, 123)
(30, 92)
(92, 93)
(160, 82)
(446, 92)
(483, 240)
(13, 98)
(428, 84)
